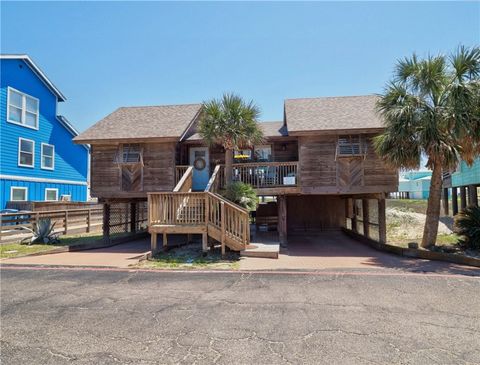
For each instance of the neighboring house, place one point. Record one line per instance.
(39, 161)
(464, 180)
(318, 162)
(415, 184)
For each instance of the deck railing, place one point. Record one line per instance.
(197, 209)
(266, 174)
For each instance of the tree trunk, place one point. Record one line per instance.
(433, 207)
(228, 166)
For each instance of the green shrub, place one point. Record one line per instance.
(467, 226)
(42, 232)
(241, 194)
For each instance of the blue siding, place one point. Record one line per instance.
(36, 190)
(71, 161)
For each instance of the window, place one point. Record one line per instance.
(349, 145)
(131, 153)
(26, 152)
(22, 109)
(243, 155)
(48, 156)
(18, 194)
(263, 153)
(51, 194)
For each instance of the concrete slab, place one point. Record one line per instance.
(335, 250)
(263, 244)
(122, 256)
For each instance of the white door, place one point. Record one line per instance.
(200, 161)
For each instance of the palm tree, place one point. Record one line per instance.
(432, 107)
(232, 123)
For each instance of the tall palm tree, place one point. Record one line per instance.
(232, 123)
(432, 107)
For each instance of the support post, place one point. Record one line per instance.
(133, 217)
(366, 218)
(165, 241)
(153, 242)
(354, 215)
(454, 201)
(89, 220)
(282, 218)
(65, 223)
(106, 223)
(463, 198)
(382, 224)
(472, 196)
(222, 215)
(445, 201)
(204, 242)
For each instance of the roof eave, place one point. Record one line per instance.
(36, 70)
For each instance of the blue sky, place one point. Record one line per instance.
(110, 54)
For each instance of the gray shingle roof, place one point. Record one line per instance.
(167, 121)
(274, 129)
(332, 113)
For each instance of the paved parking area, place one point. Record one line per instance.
(335, 250)
(122, 256)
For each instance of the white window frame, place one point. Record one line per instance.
(53, 157)
(20, 139)
(56, 194)
(24, 188)
(24, 109)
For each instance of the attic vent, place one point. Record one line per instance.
(350, 146)
(131, 153)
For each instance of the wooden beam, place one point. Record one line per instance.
(463, 198)
(106, 222)
(366, 218)
(454, 201)
(382, 221)
(472, 196)
(445, 201)
(153, 242)
(222, 215)
(204, 242)
(282, 218)
(165, 241)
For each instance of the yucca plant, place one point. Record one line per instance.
(241, 194)
(42, 232)
(467, 225)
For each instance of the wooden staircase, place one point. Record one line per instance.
(206, 213)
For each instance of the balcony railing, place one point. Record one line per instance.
(267, 174)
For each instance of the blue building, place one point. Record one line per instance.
(38, 160)
(416, 184)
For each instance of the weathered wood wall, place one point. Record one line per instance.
(157, 173)
(320, 173)
(310, 213)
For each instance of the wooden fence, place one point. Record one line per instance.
(74, 221)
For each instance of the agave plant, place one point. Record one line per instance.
(42, 232)
(241, 194)
(467, 225)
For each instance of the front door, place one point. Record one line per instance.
(200, 161)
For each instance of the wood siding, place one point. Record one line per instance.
(110, 180)
(305, 213)
(321, 173)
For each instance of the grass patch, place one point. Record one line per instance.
(10, 250)
(442, 240)
(191, 257)
(408, 205)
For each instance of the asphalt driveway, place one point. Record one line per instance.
(88, 316)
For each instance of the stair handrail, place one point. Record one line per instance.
(212, 185)
(185, 183)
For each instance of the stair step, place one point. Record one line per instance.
(269, 250)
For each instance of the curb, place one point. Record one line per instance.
(415, 253)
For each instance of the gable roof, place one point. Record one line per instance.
(331, 113)
(274, 129)
(37, 71)
(143, 122)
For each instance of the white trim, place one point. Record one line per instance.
(36, 70)
(36, 179)
(23, 109)
(53, 157)
(20, 139)
(56, 194)
(19, 188)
